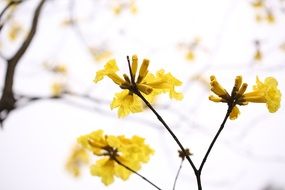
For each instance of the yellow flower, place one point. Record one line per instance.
(270, 18)
(117, 9)
(133, 7)
(57, 68)
(14, 31)
(258, 4)
(57, 88)
(116, 152)
(190, 55)
(109, 70)
(266, 92)
(127, 103)
(258, 18)
(100, 54)
(148, 84)
(234, 113)
(62, 69)
(258, 55)
(77, 158)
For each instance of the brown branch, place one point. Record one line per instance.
(10, 4)
(6, 8)
(7, 101)
(131, 170)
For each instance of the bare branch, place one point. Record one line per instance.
(7, 101)
(6, 8)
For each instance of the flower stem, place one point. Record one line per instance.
(177, 174)
(130, 169)
(198, 173)
(136, 91)
(215, 138)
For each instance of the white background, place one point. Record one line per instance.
(37, 139)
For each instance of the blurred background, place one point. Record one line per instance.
(191, 39)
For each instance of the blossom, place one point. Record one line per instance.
(14, 31)
(270, 18)
(100, 54)
(258, 55)
(61, 69)
(234, 113)
(77, 158)
(190, 55)
(117, 153)
(263, 92)
(56, 68)
(127, 103)
(150, 85)
(121, 6)
(57, 89)
(258, 4)
(266, 92)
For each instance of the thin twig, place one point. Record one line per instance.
(177, 174)
(215, 138)
(6, 8)
(130, 169)
(10, 4)
(198, 174)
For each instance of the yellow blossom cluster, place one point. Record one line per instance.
(150, 85)
(117, 152)
(15, 30)
(120, 6)
(191, 48)
(77, 158)
(263, 12)
(100, 53)
(57, 88)
(56, 68)
(263, 92)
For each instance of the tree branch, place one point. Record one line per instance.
(7, 101)
(6, 8)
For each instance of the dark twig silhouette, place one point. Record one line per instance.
(8, 100)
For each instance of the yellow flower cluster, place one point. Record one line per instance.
(100, 54)
(77, 158)
(120, 6)
(14, 31)
(263, 92)
(57, 89)
(61, 69)
(116, 152)
(263, 12)
(149, 84)
(56, 68)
